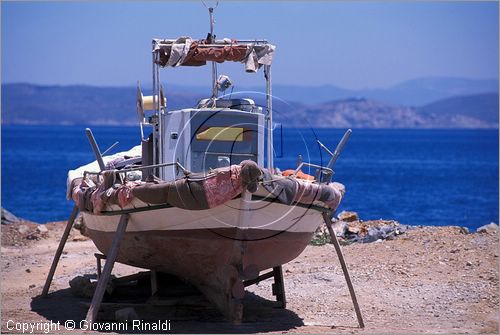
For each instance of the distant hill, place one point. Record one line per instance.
(356, 113)
(33, 104)
(417, 92)
(476, 111)
(480, 107)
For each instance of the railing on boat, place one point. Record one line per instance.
(139, 168)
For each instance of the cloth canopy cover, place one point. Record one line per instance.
(188, 52)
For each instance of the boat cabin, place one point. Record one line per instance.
(218, 131)
(207, 138)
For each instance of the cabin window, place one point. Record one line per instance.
(227, 134)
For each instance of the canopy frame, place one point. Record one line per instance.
(159, 109)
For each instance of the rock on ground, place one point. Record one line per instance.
(492, 227)
(349, 228)
(348, 216)
(8, 217)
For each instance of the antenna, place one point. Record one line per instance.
(210, 40)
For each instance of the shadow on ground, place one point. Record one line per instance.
(186, 310)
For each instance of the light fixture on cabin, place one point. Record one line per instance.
(224, 82)
(145, 102)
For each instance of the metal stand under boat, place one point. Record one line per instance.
(106, 272)
(343, 264)
(59, 251)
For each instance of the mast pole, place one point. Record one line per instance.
(214, 65)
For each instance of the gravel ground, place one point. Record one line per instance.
(428, 280)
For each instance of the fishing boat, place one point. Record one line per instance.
(200, 196)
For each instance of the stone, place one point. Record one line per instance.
(23, 229)
(464, 230)
(339, 228)
(353, 229)
(33, 236)
(126, 315)
(82, 287)
(8, 217)
(386, 231)
(372, 235)
(348, 216)
(80, 238)
(401, 229)
(492, 227)
(42, 229)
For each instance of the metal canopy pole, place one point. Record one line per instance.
(157, 111)
(214, 66)
(155, 127)
(216, 43)
(269, 117)
(157, 97)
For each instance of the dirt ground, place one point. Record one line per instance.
(428, 280)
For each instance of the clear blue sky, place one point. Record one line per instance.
(349, 44)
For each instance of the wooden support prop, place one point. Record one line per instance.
(258, 279)
(335, 241)
(106, 272)
(279, 286)
(99, 258)
(154, 282)
(59, 251)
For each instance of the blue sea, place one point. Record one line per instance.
(418, 177)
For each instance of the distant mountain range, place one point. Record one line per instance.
(416, 92)
(421, 103)
(472, 111)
